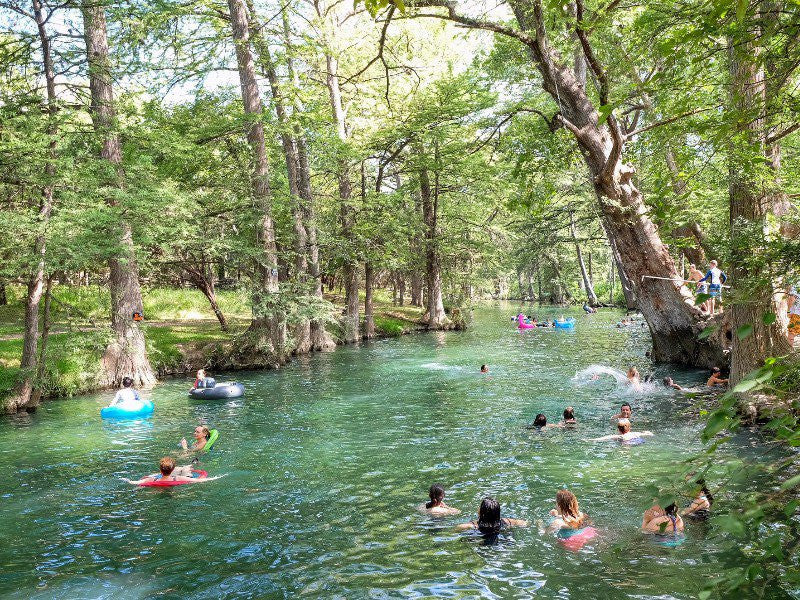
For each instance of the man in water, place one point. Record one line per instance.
(716, 378)
(715, 277)
(625, 434)
(624, 413)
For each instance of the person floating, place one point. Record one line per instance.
(625, 434)
(489, 521)
(716, 378)
(127, 398)
(715, 278)
(202, 434)
(484, 369)
(200, 379)
(624, 413)
(662, 520)
(669, 383)
(793, 301)
(169, 473)
(436, 505)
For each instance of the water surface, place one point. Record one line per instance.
(326, 460)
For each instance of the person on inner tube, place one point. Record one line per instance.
(201, 435)
(127, 395)
(168, 472)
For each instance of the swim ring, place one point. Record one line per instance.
(575, 539)
(521, 324)
(162, 483)
(128, 410)
(220, 391)
(213, 435)
(567, 324)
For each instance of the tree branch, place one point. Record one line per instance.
(668, 121)
(782, 134)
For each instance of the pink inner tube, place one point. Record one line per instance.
(577, 541)
(521, 324)
(163, 483)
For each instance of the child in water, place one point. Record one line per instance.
(127, 396)
(168, 472)
(436, 506)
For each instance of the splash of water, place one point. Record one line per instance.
(587, 375)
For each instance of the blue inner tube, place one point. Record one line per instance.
(219, 391)
(669, 541)
(125, 412)
(568, 324)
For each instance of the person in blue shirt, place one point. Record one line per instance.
(715, 278)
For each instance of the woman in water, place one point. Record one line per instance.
(436, 505)
(625, 434)
(169, 472)
(201, 435)
(489, 521)
(569, 417)
(634, 379)
(567, 513)
(658, 520)
(700, 508)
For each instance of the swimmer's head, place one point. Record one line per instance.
(569, 414)
(436, 494)
(489, 516)
(484, 369)
(567, 503)
(127, 382)
(672, 509)
(540, 420)
(623, 426)
(667, 381)
(625, 410)
(166, 465)
(201, 431)
(633, 372)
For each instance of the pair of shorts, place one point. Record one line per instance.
(715, 290)
(794, 324)
(702, 288)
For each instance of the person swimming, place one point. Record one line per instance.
(716, 378)
(567, 513)
(436, 505)
(668, 382)
(489, 521)
(662, 521)
(624, 412)
(700, 508)
(201, 435)
(169, 472)
(568, 417)
(634, 379)
(625, 434)
(484, 369)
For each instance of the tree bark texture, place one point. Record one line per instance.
(436, 317)
(587, 283)
(369, 307)
(126, 355)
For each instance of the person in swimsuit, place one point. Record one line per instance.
(716, 278)
(169, 472)
(700, 508)
(625, 434)
(700, 288)
(436, 506)
(569, 417)
(199, 381)
(662, 520)
(201, 435)
(669, 383)
(540, 422)
(716, 378)
(634, 379)
(793, 304)
(567, 513)
(489, 521)
(624, 413)
(127, 396)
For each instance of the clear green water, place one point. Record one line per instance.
(325, 461)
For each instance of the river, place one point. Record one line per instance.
(325, 461)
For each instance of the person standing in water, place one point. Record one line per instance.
(567, 513)
(489, 521)
(484, 369)
(662, 520)
(715, 278)
(716, 378)
(568, 418)
(436, 505)
(700, 508)
(634, 379)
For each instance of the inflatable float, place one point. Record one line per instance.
(521, 324)
(575, 539)
(212, 438)
(163, 483)
(566, 324)
(220, 391)
(132, 410)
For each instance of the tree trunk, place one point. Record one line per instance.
(401, 289)
(696, 252)
(749, 207)
(126, 355)
(41, 368)
(369, 318)
(587, 282)
(267, 332)
(3, 295)
(436, 317)
(202, 277)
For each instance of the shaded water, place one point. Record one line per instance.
(326, 460)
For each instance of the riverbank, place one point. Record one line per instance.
(181, 330)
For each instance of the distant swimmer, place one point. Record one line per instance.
(662, 520)
(625, 434)
(436, 505)
(540, 422)
(568, 418)
(624, 413)
(201, 436)
(489, 521)
(634, 379)
(484, 369)
(716, 378)
(668, 382)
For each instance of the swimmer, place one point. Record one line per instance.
(540, 422)
(625, 434)
(436, 506)
(489, 521)
(568, 418)
(201, 435)
(668, 382)
(662, 520)
(484, 369)
(169, 472)
(127, 394)
(624, 413)
(700, 508)
(567, 513)
(716, 378)
(634, 378)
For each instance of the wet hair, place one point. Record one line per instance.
(567, 504)
(166, 465)
(633, 372)
(702, 483)
(628, 404)
(667, 381)
(540, 420)
(484, 368)
(716, 370)
(489, 520)
(623, 425)
(206, 432)
(436, 494)
(127, 382)
(672, 509)
(569, 414)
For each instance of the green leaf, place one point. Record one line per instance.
(704, 595)
(718, 421)
(790, 507)
(700, 298)
(741, 9)
(744, 331)
(707, 332)
(605, 111)
(790, 483)
(730, 524)
(768, 318)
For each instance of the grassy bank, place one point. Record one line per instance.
(180, 329)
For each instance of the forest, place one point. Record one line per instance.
(234, 184)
